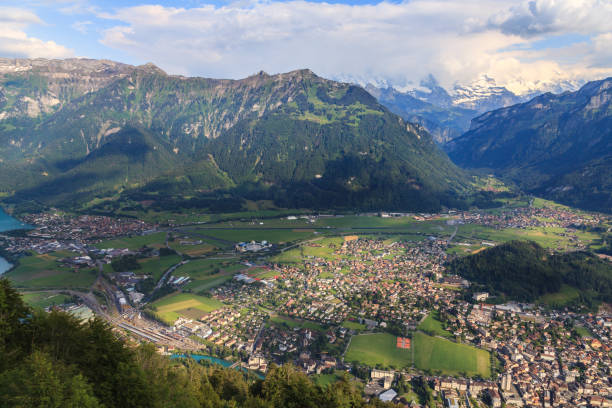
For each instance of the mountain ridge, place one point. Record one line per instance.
(558, 146)
(294, 136)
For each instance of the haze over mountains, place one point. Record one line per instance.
(75, 130)
(447, 114)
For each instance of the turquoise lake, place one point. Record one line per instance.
(8, 223)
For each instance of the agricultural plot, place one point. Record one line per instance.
(171, 307)
(155, 240)
(208, 273)
(547, 237)
(156, 266)
(44, 272)
(189, 246)
(276, 236)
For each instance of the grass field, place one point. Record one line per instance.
(45, 299)
(431, 353)
(208, 273)
(378, 349)
(565, 295)
(156, 266)
(192, 250)
(353, 325)
(583, 331)
(291, 323)
(433, 326)
(449, 358)
(256, 234)
(155, 240)
(324, 380)
(169, 308)
(547, 237)
(43, 272)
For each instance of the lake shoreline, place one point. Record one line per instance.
(9, 223)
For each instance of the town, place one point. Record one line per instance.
(378, 306)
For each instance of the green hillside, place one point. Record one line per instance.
(295, 139)
(523, 270)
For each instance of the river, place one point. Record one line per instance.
(8, 223)
(215, 360)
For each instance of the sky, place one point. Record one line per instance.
(523, 45)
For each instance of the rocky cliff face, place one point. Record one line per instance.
(34, 87)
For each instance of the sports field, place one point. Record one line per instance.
(378, 348)
(169, 308)
(449, 358)
(430, 353)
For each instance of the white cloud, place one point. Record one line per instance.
(456, 40)
(81, 26)
(14, 41)
(538, 17)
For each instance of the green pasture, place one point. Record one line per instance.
(155, 240)
(169, 308)
(44, 272)
(45, 299)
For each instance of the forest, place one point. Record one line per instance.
(53, 360)
(524, 271)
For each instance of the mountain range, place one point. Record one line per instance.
(447, 115)
(556, 146)
(74, 132)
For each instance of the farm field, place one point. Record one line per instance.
(157, 265)
(155, 240)
(45, 299)
(43, 272)
(208, 273)
(547, 237)
(194, 250)
(439, 355)
(171, 307)
(275, 236)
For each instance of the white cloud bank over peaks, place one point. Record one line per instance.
(15, 42)
(455, 40)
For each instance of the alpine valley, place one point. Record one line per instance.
(556, 146)
(74, 132)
